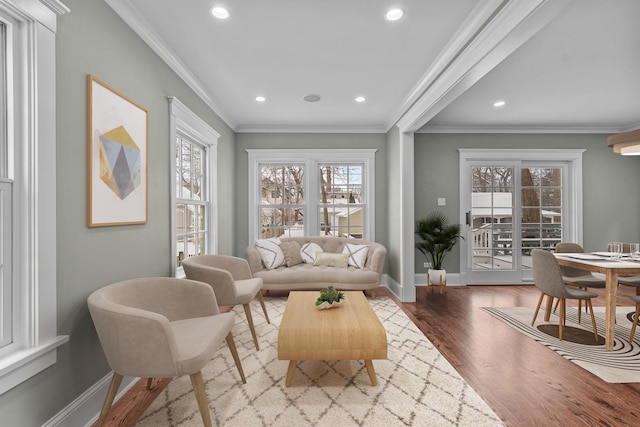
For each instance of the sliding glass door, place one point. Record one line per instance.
(510, 207)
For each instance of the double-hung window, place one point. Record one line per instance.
(193, 166)
(311, 192)
(28, 325)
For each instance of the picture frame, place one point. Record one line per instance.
(117, 138)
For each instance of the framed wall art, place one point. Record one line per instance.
(117, 133)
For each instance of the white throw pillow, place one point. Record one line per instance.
(308, 252)
(270, 252)
(357, 254)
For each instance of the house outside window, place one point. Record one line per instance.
(312, 192)
(193, 166)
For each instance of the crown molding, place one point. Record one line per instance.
(137, 22)
(309, 129)
(522, 129)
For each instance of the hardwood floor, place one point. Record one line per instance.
(524, 382)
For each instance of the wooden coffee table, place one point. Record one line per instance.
(351, 331)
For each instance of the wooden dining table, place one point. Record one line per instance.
(611, 268)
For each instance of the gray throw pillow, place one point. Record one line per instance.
(291, 251)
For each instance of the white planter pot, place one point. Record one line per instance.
(435, 275)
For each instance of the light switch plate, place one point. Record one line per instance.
(442, 201)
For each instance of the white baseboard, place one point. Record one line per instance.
(85, 410)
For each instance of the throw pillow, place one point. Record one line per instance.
(291, 251)
(308, 252)
(270, 252)
(357, 254)
(332, 260)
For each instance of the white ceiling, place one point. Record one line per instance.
(561, 65)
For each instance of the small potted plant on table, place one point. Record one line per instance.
(329, 298)
(438, 238)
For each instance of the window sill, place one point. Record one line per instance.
(18, 367)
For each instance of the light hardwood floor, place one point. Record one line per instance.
(525, 383)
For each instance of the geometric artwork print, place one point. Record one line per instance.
(119, 162)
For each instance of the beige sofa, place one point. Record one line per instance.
(306, 276)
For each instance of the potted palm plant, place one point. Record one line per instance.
(437, 237)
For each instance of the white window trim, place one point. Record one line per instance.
(311, 159)
(32, 150)
(183, 119)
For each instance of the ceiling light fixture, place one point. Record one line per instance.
(360, 99)
(394, 14)
(220, 12)
(261, 98)
(312, 98)
(626, 143)
(499, 104)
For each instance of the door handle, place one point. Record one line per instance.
(468, 216)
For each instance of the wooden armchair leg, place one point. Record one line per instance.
(264, 308)
(234, 352)
(149, 382)
(111, 394)
(201, 397)
(247, 311)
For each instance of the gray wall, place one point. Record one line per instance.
(92, 39)
(246, 141)
(611, 197)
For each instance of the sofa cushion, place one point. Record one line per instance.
(270, 252)
(291, 251)
(308, 252)
(357, 254)
(332, 260)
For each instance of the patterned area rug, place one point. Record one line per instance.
(621, 365)
(416, 385)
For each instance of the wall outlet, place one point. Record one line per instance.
(427, 265)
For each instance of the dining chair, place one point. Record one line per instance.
(636, 299)
(231, 280)
(547, 277)
(582, 279)
(160, 327)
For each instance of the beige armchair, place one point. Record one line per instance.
(231, 280)
(160, 327)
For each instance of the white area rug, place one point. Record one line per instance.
(621, 365)
(416, 385)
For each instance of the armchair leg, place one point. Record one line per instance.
(264, 308)
(247, 311)
(201, 397)
(111, 394)
(149, 382)
(234, 352)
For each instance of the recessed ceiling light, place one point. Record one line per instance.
(260, 98)
(220, 12)
(360, 99)
(394, 14)
(499, 104)
(312, 98)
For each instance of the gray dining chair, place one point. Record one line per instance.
(582, 279)
(547, 277)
